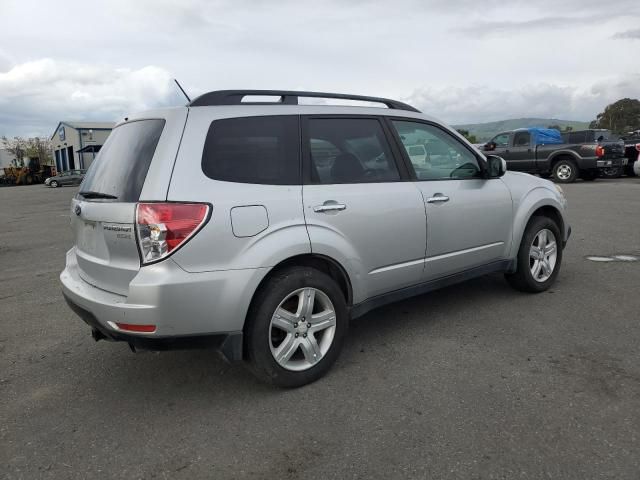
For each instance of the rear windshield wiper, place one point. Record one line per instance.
(96, 195)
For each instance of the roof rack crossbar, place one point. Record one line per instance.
(287, 97)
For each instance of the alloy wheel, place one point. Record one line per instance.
(543, 255)
(564, 172)
(302, 329)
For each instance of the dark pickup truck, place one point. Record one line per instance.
(544, 151)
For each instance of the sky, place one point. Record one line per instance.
(463, 61)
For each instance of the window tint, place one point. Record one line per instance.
(261, 150)
(521, 139)
(501, 140)
(122, 164)
(350, 150)
(578, 137)
(444, 156)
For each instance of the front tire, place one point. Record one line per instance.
(539, 257)
(565, 171)
(295, 327)
(53, 184)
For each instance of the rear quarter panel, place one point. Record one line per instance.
(216, 246)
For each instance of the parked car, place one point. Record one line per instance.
(630, 151)
(70, 177)
(263, 229)
(544, 151)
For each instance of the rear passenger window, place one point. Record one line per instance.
(349, 150)
(521, 139)
(261, 150)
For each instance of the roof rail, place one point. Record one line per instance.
(234, 97)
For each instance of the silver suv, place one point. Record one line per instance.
(262, 226)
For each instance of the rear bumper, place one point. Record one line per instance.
(188, 309)
(611, 162)
(228, 344)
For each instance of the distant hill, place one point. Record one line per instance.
(484, 131)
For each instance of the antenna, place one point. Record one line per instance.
(182, 90)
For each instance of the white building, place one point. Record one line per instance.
(75, 144)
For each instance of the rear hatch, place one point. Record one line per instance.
(103, 211)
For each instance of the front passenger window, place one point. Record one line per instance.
(501, 140)
(434, 153)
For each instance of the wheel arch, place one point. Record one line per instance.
(324, 263)
(556, 157)
(536, 203)
(551, 212)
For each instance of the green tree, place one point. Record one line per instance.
(16, 146)
(40, 149)
(619, 117)
(467, 135)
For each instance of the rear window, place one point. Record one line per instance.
(262, 150)
(122, 164)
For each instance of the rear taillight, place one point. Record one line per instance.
(599, 151)
(163, 227)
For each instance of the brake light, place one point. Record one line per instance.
(599, 151)
(163, 227)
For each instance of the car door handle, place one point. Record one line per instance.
(329, 207)
(438, 198)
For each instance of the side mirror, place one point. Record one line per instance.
(489, 146)
(496, 166)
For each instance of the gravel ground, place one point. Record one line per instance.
(474, 381)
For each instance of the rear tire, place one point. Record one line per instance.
(283, 335)
(565, 171)
(535, 260)
(611, 172)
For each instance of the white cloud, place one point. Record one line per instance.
(483, 103)
(464, 60)
(37, 94)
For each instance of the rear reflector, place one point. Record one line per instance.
(163, 227)
(136, 328)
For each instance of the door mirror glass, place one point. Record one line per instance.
(496, 165)
(489, 146)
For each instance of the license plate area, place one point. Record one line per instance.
(87, 237)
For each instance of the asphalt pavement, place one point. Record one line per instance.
(473, 381)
